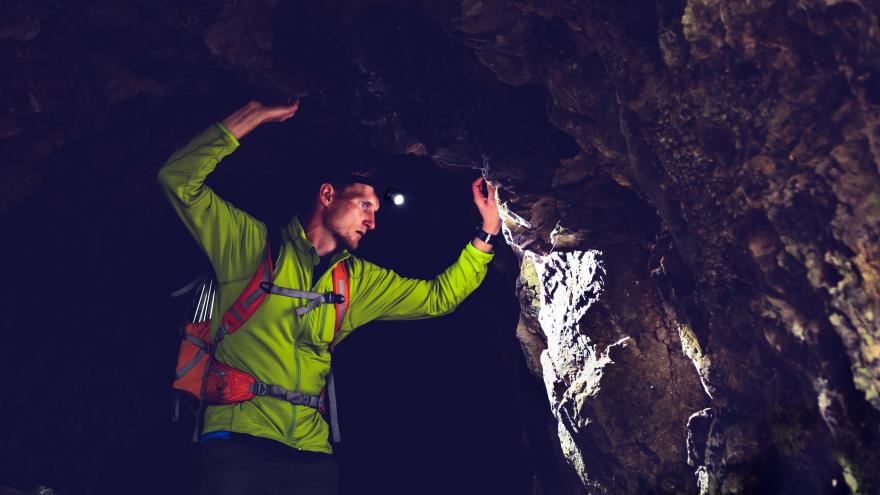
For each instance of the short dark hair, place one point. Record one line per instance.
(358, 174)
(342, 179)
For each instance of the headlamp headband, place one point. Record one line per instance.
(382, 187)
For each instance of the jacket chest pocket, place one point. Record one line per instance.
(319, 325)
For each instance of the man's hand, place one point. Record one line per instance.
(488, 206)
(248, 117)
(488, 210)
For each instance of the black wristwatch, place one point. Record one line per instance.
(487, 237)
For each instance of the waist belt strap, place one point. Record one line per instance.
(298, 398)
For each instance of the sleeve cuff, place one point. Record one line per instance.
(229, 136)
(485, 258)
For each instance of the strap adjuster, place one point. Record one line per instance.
(333, 298)
(259, 388)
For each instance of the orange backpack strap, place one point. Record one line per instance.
(249, 300)
(342, 287)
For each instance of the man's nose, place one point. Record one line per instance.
(370, 221)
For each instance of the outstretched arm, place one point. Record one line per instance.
(383, 294)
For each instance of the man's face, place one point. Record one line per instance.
(352, 213)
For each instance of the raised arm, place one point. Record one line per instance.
(232, 239)
(254, 114)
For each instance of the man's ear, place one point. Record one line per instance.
(326, 194)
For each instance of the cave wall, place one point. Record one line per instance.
(751, 131)
(690, 189)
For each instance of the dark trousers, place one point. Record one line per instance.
(242, 466)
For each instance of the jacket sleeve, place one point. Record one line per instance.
(385, 295)
(232, 239)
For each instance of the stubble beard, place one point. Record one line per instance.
(341, 239)
(352, 245)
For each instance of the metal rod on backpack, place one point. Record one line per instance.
(202, 307)
(205, 307)
(211, 310)
(199, 305)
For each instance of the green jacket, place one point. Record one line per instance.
(275, 345)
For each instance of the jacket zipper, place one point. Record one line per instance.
(296, 382)
(295, 387)
(298, 367)
(296, 344)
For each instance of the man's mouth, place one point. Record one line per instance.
(359, 233)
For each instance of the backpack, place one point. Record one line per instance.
(205, 380)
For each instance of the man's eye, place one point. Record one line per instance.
(364, 204)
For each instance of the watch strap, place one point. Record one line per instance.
(487, 237)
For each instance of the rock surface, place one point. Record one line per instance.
(691, 189)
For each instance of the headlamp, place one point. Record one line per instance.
(394, 196)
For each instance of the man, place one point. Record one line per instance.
(267, 444)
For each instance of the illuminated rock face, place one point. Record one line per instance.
(751, 130)
(597, 365)
(690, 189)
